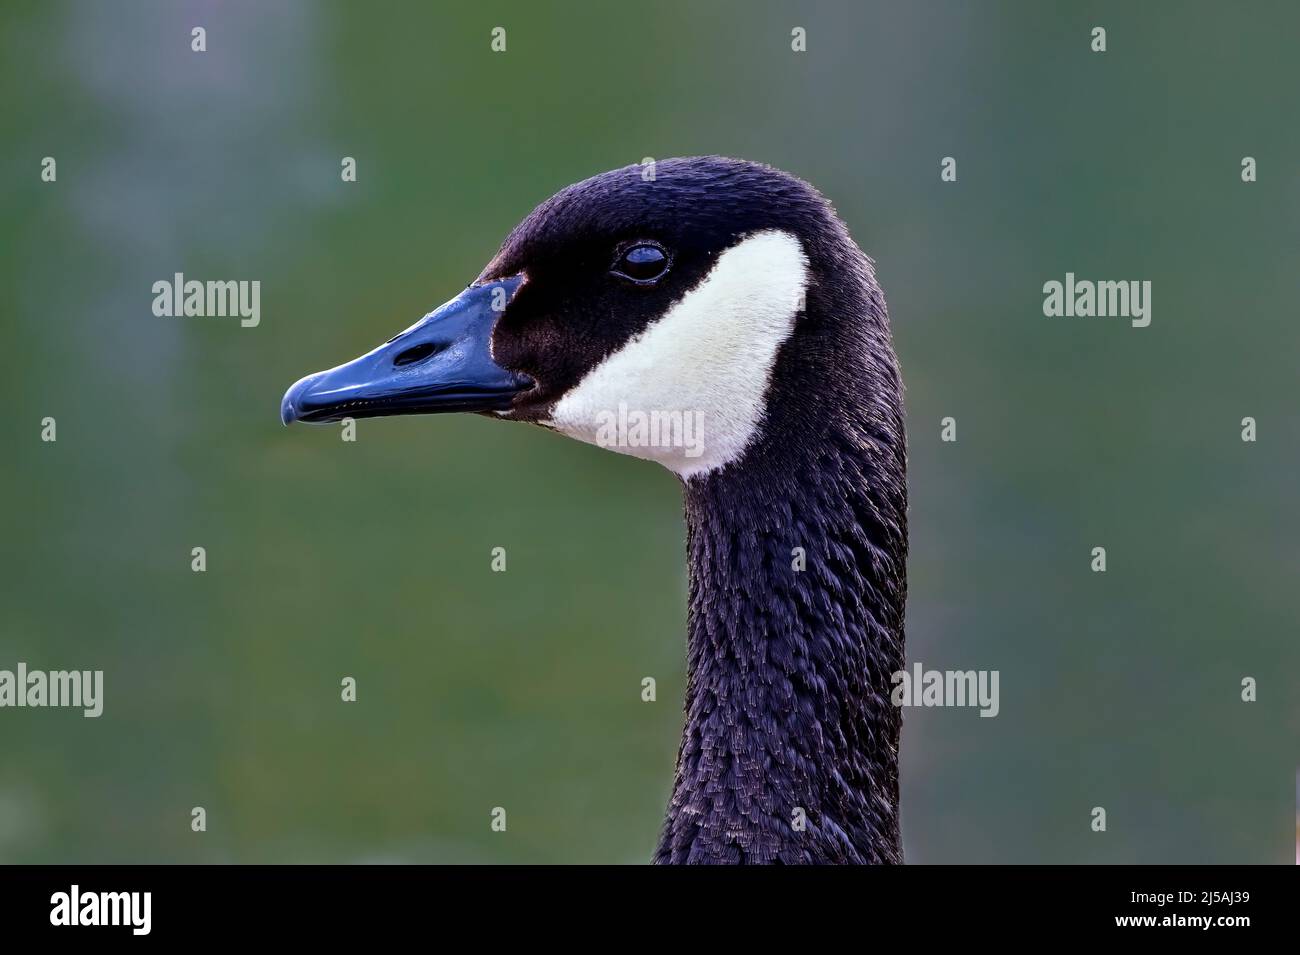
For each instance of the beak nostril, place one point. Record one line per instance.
(417, 353)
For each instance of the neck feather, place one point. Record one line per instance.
(790, 750)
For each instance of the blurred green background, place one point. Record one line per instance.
(522, 690)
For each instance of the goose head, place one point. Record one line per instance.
(641, 312)
(714, 317)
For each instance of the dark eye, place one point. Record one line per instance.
(643, 262)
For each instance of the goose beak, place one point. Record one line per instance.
(441, 363)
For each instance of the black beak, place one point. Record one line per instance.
(441, 363)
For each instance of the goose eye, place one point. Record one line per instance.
(642, 263)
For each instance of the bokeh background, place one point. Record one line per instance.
(522, 689)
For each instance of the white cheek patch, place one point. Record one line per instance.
(689, 391)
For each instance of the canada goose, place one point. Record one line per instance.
(728, 295)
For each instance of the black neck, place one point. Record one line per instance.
(788, 707)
